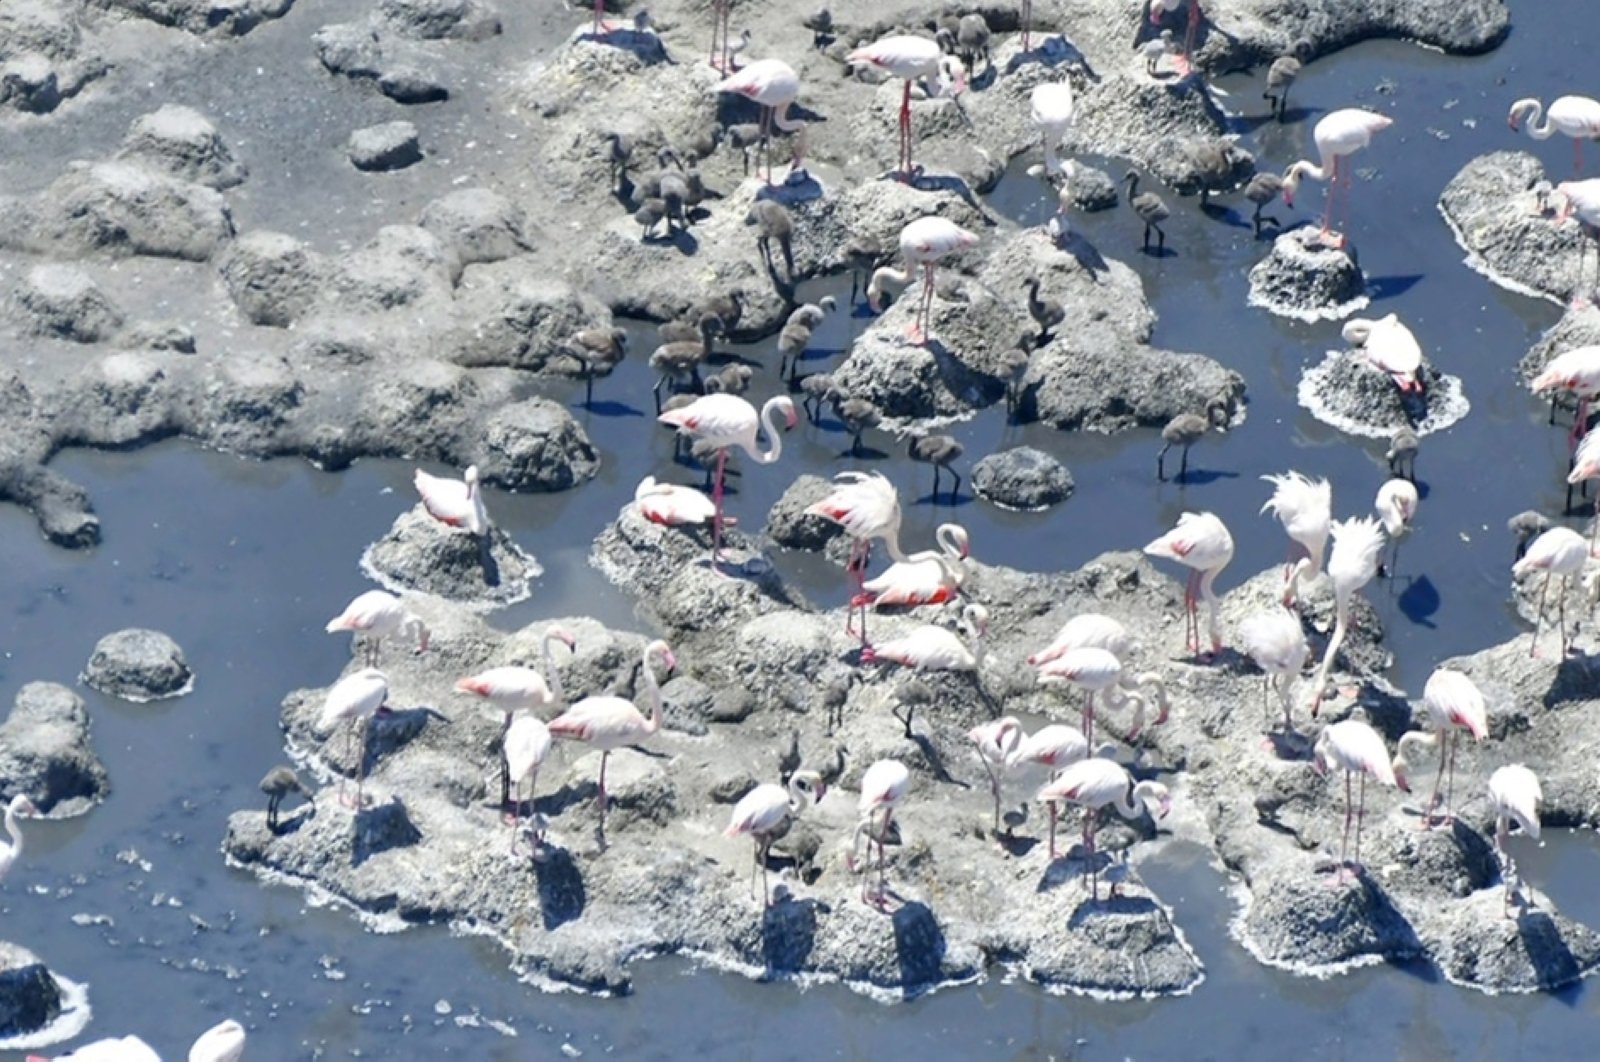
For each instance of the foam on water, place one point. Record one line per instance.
(73, 1019)
(1480, 265)
(1447, 402)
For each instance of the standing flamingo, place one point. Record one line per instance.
(883, 786)
(1583, 199)
(455, 502)
(1276, 641)
(720, 421)
(1092, 670)
(1389, 347)
(1055, 746)
(922, 243)
(19, 805)
(1585, 466)
(523, 748)
(1304, 507)
(1161, 8)
(1577, 372)
(1357, 543)
(911, 58)
(765, 812)
(514, 689)
(1084, 630)
(1575, 116)
(379, 614)
(1337, 135)
(1202, 543)
(932, 648)
(1354, 748)
(609, 722)
(1396, 506)
(671, 504)
(775, 86)
(1095, 782)
(223, 1042)
(1453, 703)
(996, 743)
(866, 505)
(928, 577)
(1515, 795)
(1559, 551)
(1052, 107)
(353, 701)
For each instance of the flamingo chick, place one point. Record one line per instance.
(1200, 542)
(1095, 783)
(379, 615)
(923, 243)
(765, 812)
(454, 502)
(1355, 748)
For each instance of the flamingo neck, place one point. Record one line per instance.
(885, 275)
(781, 119)
(14, 830)
(1052, 161)
(653, 691)
(1130, 803)
(552, 674)
(1208, 577)
(774, 436)
(946, 537)
(1307, 168)
(1340, 623)
(1535, 111)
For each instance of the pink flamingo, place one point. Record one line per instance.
(911, 58)
(1454, 703)
(1559, 551)
(609, 722)
(455, 502)
(1355, 748)
(1575, 116)
(1514, 794)
(1084, 630)
(514, 689)
(1161, 8)
(764, 813)
(1357, 544)
(775, 86)
(19, 805)
(1202, 543)
(1094, 783)
(1390, 347)
(1583, 199)
(1304, 507)
(922, 243)
(722, 420)
(1277, 643)
(1338, 135)
(379, 614)
(1585, 466)
(883, 786)
(866, 505)
(670, 504)
(354, 700)
(1093, 670)
(928, 577)
(1055, 746)
(1577, 372)
(996, 743)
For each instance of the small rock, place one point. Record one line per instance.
(789, 525)
(420, 553)
(138, 665)
(1092, 189)
(430, 20)
(1022, 478)
(273, 278)
(390, 146)
(478, 224)
(405, 84)
(1305, 279)
(29, 82)
(30, 999)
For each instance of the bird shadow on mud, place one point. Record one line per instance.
(645, 45)
(1052, 51)
(1289, 747)
(1158, 251)
(919, 944)
(1127, 906)
(486, 561)
(1549, 955)
(1380, 288)
(562, 896)
(1084, 253)
(1068, 866)
(944, 499)
(788, 932)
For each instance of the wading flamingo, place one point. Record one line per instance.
(774, 85)
(352, 702)
(1515, 795)
(922, 243)
(1161, 8)
(1357, 544)
(1093, 783)
(1052, 108)
(1338, 135)
(911, 59)
(720, 421)
(1304, 507)
(1575, 116)
(866, 505)
(764, 813)
(1354, 748)
(456, 502)
(609, 722)
(21, 806)
(883, 786)
(520, 689)
(1453, 703)
(378, 615)
(1559, 551)
(1276, 641)
(996, 743)
(1202, 543)
(1390, 347)
(927, 577)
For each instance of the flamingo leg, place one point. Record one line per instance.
(1361, 813)
(1050, 806)
(1561, 613)
(1088, 847)
(716, 518)
(599, 17)
(1026, 18)
(604, 756)
(361, 764)
(1450, 783)
(1088, 715)
(1577, 155)
(903, 162)
(1188, 35)
(716, 27)
(1538, 615)
(726, 10)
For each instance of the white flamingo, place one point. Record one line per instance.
(1055, 746)
(928, 577)
(1583, 199)
(1087, 629)
(1515, 795)
(19, 806)
(671, 504)
(1559, 551)
(911, 59)
(454, 502)
(515, 689)
(1304, 507)
(1357, 543)
(1338, 135)
(923, 243)
(934, 648)
(1575, 116)
(608, 722)
(867, 506)
(112, 1049)
(1577, 373)
(996, 743)
(223, 1042)
(1094, 783)
(1093, 670)
(1276, 641)
(765, 812)
(352, 702)
(379, 615)
(774, 85)
(1390, 347)
(722, 420)
(1354, 748)
(1200, 542)
(1052, 108)
(1454, 703)
(883, 786)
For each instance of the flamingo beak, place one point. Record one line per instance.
(1402, 782)
(568, 640)
(822, 791)
(793, 418)
(670, 660)
(422, 642)
(1288, 197)
(1166, 806)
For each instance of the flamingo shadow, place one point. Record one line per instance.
(379, 829)
(1127, 906)
(788, 933)
(1157, 251)
(609, 408)
(1198, 477)
(919, 946)
(562, 896)
(1419, 601)
(1387, 287)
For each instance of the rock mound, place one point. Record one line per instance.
(138, 665)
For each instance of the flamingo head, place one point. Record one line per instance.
(977, 617)
(811, 784)
(785, 405)
(471, 479)
(22, 805)
(564, 636)
(1401, 781)
(1291, 184)
(664, 651)
(963, 544)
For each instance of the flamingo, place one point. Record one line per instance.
(1559, 551)
(1574, 116)
(1052, 106)
(353, 701)
(911, 58)
(1454, 703)
(931, 648)
(883, 786)
(1337, 135)
(1055, 746)
(1396, 506)
(923, 243)
(523, 748)
(1084, 630)
(1389, 347)
(1304, 507)
(1357, 542)
(996, 743)
(1276, 641)
(1585, 466)
(1202, 543)
(928, 577)
(378, 615)
(720, 421)
(456, 502)
(1354, 748)
(609, 722)
(1515, 795)
(1093, 783)
(670, 504)
(1092, 670)
(775, 86)
(1583, 199)
(1161, 8)
(514, 689)
(223, 1042)
(1577, 372)
(764, 813)
(20, 805)
(866, 506)
(117, 1049)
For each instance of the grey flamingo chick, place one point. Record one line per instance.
(1402, 454)
(1013, 368)
(597, 351)
(857, 415)
(972, 41)
(773, 222)
(940, 451)
(680, 362)
(1282, 73)
(619, 152)
(281, 782)
(820, 23)
(744, 136)
(651, 210)
(731, 379)
(1185, 430)
(1527, 526)
(1046, 313)
(1263, 188)
(1151, 209)
(816, 389)
(727, 308)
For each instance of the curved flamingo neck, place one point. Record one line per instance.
(1534, 110)
(1307, 168)
(946, 537)
(885, 275)
(1208, 577)
(774, 436)
(14, 830)
(552, 674)
(653, 689)
(1340, 624)
(781, 119)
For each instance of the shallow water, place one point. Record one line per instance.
(243, 562)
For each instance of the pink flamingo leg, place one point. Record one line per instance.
(716, 518)
(1194, 24)
(903, 164)
(1027, 19)
(726, 10)
(599, 17)
(604, 756)
(1051, 807)
(716, 28)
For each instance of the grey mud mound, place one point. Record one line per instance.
(30, 999)
(790, 526)
(1252, 28)
(138, 665)
(390, 146)
(45, 56)
(1346, 392)
(419, 553)
(119, 208)
(1022, 478)
(45, 752)
(182, 143)
(535, 445)
(1310, 924)
(1494, 208)
(1303, 278)
(206, 17)
(63, 302)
